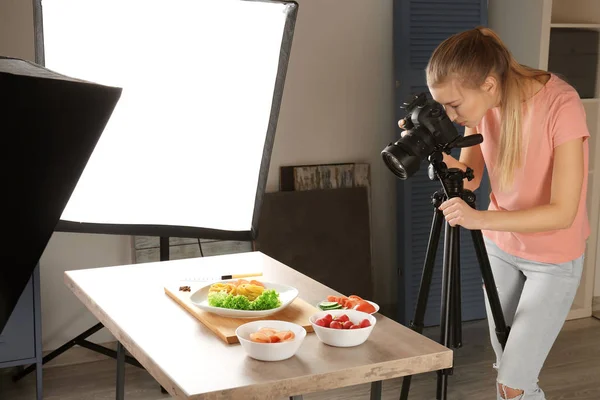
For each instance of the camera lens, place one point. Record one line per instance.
(400, 162)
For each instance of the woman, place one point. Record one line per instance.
(535, 149)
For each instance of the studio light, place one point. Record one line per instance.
(140, 118)
(50, 125)
(187, 150)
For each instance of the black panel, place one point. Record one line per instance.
(51, 124)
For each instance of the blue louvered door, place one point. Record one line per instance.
(419, 26)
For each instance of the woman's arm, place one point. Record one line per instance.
(567, 179)
(559, 213)
(471, 157)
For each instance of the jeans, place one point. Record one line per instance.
(536, 298)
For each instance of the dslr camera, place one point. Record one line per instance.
(428, 131)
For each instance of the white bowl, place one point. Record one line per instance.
(343, 337)
(270, 351)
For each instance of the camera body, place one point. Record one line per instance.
(427, 125)
(428, 129)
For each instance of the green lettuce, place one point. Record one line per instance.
(269, 299)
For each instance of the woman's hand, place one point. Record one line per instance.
(458, 212)
(401, 124)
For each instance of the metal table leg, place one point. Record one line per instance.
(120, 371)
(376, 389)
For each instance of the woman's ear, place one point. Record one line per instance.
(490, 85)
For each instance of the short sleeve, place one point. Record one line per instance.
(569, 120)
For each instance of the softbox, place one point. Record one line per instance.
(50, 125)
(187, 151)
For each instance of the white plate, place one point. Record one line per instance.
(287, 294)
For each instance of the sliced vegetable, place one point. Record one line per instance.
(329, 305)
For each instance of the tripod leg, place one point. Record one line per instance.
(456, 293)
(502, 331)
(419, 317)
(445, 320)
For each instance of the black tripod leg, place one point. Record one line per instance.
(502, 330)
(419, 316)
(456, 293)
(445, 320)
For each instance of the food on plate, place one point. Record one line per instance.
(352, 302)
(270, 335)
(243, 295)
(341, 322)
(251, 289)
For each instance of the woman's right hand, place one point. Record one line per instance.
(401, 124)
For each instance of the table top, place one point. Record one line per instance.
(191, 362)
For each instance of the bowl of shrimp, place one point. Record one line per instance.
(270, 340)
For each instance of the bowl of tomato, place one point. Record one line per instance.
(343, 328)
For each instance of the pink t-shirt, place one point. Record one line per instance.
(553, 116)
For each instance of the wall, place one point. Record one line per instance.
(597, 280)
(337, 107)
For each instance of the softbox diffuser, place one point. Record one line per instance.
(50, 124)
(187, 151)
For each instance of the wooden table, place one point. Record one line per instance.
(191, 362)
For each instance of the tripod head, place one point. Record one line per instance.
(451, 179)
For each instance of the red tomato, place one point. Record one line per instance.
(342, 318)
(347, 324)
(328, 318)
(322, 322)
(355, 327)
(335, 325)
(364, 323)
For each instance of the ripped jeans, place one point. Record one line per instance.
(536, 298)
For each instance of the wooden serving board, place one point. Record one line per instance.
(298, 312)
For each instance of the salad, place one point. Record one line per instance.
(243, 295)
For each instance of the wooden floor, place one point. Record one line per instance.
(572, 371)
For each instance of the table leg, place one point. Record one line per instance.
(376, 389)
(120, 371)
(299, 397)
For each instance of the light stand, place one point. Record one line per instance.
(451, 180)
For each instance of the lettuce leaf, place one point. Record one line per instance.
(269, 299)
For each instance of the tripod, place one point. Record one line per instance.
(450, 318)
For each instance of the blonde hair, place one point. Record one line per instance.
(471, 56)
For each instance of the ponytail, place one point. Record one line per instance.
(472, 56)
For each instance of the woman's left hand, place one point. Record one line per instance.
(458, 212)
